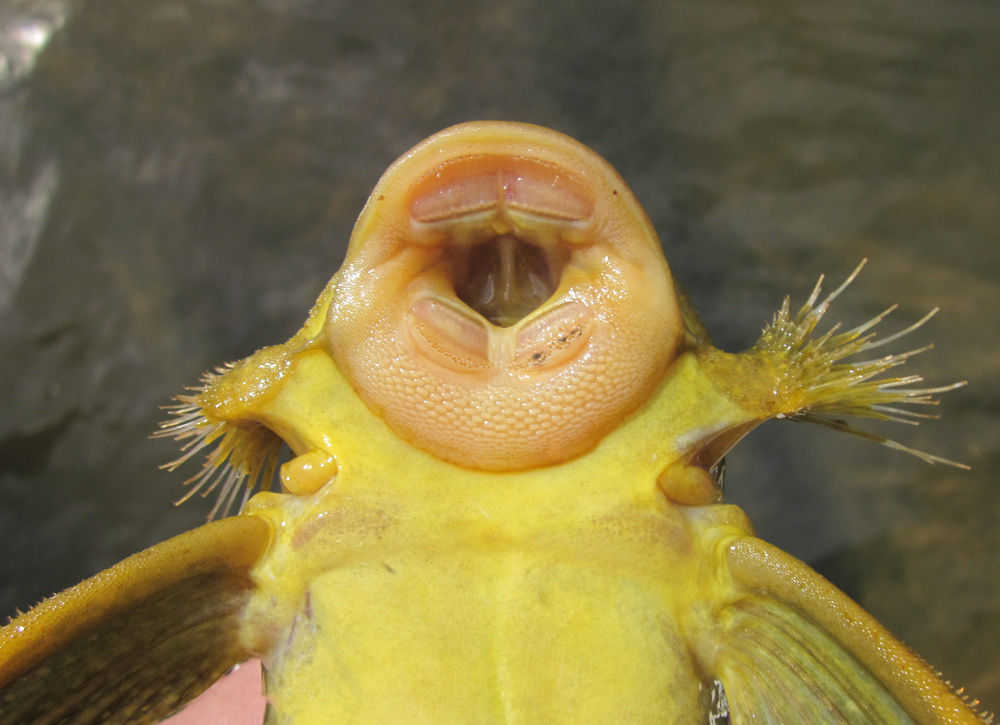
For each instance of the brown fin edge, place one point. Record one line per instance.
(138, 640)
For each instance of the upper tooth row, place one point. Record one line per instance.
(478, 186)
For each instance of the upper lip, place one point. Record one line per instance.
(501, 223)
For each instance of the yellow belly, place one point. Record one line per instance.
(449, 595)
(484, 637)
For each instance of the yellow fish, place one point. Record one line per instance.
(504, 502)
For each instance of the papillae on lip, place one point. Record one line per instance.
(505, 302)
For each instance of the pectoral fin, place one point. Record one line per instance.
(796, 649)
(134, 642)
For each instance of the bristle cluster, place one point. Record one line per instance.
(973, 703)
(239, 456)
(829, 387)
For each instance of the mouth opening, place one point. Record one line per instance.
(503, 218)
(505, 279)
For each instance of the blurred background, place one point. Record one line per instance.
(179, 178)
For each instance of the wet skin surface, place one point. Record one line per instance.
(766, 149)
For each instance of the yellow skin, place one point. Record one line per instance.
(502, 504)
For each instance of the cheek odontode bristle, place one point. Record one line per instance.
(238, 455)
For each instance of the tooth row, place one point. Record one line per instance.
(472, 186)
(463, 343)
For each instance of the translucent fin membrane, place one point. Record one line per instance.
(239, 456)
(819, 386)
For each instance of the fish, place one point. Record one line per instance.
(504, 498)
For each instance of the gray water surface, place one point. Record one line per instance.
(178, 180)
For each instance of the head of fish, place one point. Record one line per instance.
(504, 306)
(504, 302)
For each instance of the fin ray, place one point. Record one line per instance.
(136, 641)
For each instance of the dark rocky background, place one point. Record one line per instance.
(178, 179)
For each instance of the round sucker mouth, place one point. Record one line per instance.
(505, 279)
